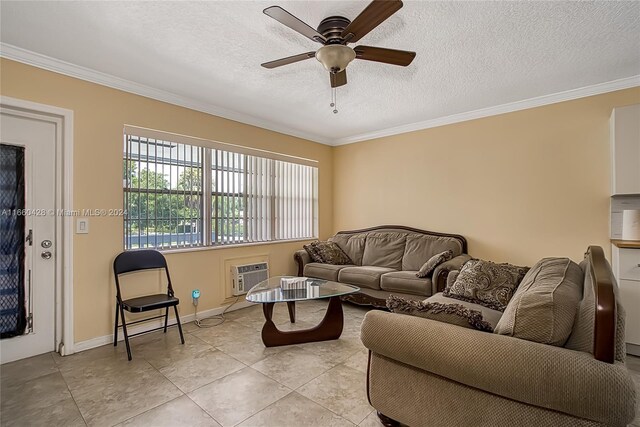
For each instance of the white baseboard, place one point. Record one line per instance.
(108, 339)
(633, 349)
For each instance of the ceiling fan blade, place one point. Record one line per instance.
(339, 79)
(288, 60)
(372, 16)
(388, 56)
(285, 18)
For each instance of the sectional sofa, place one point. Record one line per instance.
(555, 358)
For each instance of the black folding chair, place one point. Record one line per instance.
(133, 261)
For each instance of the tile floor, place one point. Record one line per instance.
(222, 376)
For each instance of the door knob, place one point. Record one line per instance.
(46, 255)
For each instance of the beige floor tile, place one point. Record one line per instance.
(64, 413)
(238, 396)
(105, 352)
(295, 410)
(300, 324)
(342, 390)
(249, 349)
(108, 389)
(180, 412)
(354, 309)
(293, 367)
(27, 369)
(358, 361)
(110, 396)
(256, 320)
(166, 349)
(32, 397)
(371, 420)
(633, 363)
(98, 372)
(199, 369)
(189, 327)
(333, 351)
(229, 331)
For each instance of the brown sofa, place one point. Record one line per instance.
(385, 261)
(424, 372)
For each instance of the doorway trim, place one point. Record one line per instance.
(62, 118)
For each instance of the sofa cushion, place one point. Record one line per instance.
(419, 248)
(544, 307)
(352, 245)
(490, 315)
(384, 250)
(405, 282)
(455, 314)
(486, 283)
(327, 252)
(428, 267)
(365, 276)
(323, 271)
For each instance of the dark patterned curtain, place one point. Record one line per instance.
(12, 241)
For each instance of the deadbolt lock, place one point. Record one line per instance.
(46, 243)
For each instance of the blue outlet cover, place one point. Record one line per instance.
(195, 293)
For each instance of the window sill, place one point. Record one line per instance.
(232, 246)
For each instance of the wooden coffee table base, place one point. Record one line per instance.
(329, 329)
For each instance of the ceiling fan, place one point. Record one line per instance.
(335, 32)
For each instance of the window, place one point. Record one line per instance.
(252, 196)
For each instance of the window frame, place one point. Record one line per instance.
(207, 224)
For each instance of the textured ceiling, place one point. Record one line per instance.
(470, 55)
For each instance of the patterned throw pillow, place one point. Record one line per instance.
(486, 283)
(431, 264)
(455, 314)
(327, 253)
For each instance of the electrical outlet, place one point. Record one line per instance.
(195, 294)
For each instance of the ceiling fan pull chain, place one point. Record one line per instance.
(334, 100)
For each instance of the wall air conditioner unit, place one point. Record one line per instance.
(245, 277)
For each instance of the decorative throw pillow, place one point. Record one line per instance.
(327, 253)
(455, 314)
(451, 277)
(428, 267)
(486, 283)
(312, 250)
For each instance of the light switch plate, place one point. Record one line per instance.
(82, 226)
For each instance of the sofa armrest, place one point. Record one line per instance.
(302, 258)
(551, 377)
(440, 273)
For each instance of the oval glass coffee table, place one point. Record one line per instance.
(270, 292)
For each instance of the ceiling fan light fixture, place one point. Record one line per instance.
(335, 57)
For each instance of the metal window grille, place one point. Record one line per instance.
(251, 198)
(162, 194)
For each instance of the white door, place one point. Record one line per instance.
(38, 139)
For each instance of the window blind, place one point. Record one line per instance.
(251, 198)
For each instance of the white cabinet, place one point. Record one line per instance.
(625, 150)
(626, 268)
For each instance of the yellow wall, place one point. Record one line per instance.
(99, 115)
(519, 186)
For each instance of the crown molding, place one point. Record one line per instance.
(539, 101)
(28, 57)
(48, 63)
